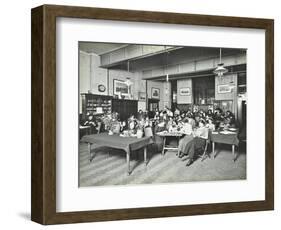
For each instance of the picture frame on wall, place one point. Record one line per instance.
(120, 87)
(155, 93)
(224, 88)
(57, 200)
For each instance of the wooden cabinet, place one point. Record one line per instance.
(92, 102)
(125, 108)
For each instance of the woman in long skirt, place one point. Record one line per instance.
(199, 140)
(188, 137)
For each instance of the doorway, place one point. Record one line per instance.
(153, 106)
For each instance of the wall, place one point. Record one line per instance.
(159, 85)
(90, 74)
(98, 75)
(183, 84)
(167, 94)
(123, 75)
(228, 79)
(15, 162)
(186, 61)
(84, 72)
(231, 80)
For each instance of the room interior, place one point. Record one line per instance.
(166, 69)
(159, 77)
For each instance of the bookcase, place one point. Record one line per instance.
(92, 103)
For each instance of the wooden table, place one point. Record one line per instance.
(84, 130)
(164, 135)
(128, 144)
(230, 138)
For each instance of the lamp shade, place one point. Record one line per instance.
(220, 70)
(128, 82)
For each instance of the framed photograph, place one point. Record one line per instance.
(224, 89)
(83, 164)
(120, 87)
(155, 93)
(185, 91)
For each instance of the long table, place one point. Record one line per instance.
(230, 138)
(128, 144)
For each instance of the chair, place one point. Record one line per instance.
(148, 132)
(205, 147)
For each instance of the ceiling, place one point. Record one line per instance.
(99, 47)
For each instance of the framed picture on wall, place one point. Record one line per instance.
(185, 91)
(224, 88)
(120, 87)
(155, 93)
(66, 171)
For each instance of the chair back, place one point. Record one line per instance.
(148, 132)
(209, 135)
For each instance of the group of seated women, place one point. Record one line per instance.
(194, 125)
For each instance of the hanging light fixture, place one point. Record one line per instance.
(220, 70)
(128, 82)
(167, 75)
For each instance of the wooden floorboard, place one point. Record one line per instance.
(110, 169)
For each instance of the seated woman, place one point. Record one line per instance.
(199, 140)
(210, 125)
(188, 137)
(229, 122)
(114, 124)
(132, 123)
(170, 124)
(92, 123)
(159, 127)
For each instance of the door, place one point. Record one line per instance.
(153, 105)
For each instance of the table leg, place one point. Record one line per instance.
(164, 144)
(177, 154)
(89, 151)
(233, 152)
(128, 161)
(145, 155)
(213, 149)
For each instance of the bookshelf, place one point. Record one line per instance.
(94, 104)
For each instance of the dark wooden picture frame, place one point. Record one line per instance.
(153, 90)
(43, 169)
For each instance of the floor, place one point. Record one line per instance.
(110, 169)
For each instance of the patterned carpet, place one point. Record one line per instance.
(110, 169)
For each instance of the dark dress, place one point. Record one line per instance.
(183, 143)
(157, 139)
(196, 144)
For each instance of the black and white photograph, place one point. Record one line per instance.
(151, 114)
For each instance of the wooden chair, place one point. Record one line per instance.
(205, 147)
